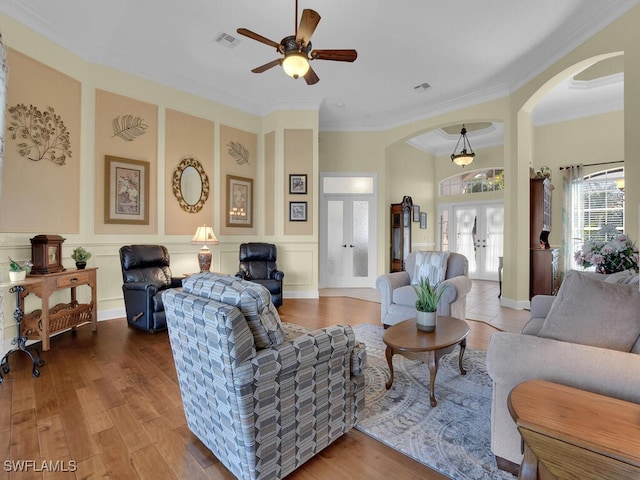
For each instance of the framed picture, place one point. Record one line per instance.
(297, 184)
(423, 220)
(126, 191)
(297, 211)
(239, 202)
(416, 213)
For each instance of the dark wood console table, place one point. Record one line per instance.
(41, 324)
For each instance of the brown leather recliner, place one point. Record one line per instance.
(258, 264)
(146, 274)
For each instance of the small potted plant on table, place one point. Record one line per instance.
(427, 304)
(18, 272)
(80, 255)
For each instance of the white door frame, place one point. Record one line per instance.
(450, 207)
(324, 280)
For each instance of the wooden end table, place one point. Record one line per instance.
(569, 433)
(404, 337)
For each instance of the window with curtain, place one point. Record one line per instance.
(591, 201)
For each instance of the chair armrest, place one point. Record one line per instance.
(308, 348)
(514, 358)
(150, 288)
(277, 275)
(540, 305)
(386, 284)
(455, 287)
(241, 275)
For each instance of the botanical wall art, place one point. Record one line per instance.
(40, 134)
(238, 159)
(126, 191)
(128, 127)
(239, 202)
(238, 152)
(298, 211)
(297, 184)
(190, 184)
(40, 159)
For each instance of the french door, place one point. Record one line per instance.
(347, 244)
(476, 231)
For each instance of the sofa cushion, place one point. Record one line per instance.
(431, 265)
(253, 300)
(405, 296)
(593, 312)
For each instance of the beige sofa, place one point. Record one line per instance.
(515, 358)
(398, 300)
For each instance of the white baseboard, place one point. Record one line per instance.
(515, 304)
(301, 294)
(111, 314)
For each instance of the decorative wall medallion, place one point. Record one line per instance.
(128, 127)
(44, 134)
(238, 152)
(190, 184)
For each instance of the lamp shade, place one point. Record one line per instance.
(295, 64)
(204, 236)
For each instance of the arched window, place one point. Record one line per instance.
(474, 181)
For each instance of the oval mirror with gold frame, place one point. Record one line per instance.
(190, 184)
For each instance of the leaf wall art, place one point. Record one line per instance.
(128, 127)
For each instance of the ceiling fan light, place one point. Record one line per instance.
(295, 64)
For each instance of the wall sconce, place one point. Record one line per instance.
(204, 236)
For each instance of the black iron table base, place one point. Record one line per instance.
(21, 341)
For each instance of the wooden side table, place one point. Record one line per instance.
(569, 433)
(41, 324)
(405, 338)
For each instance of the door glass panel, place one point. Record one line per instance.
(495, 231)
(360, 237)
(466, 233)
(335, 237)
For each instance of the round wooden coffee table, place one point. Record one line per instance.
(404, 337)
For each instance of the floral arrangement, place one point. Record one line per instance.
(614, 254)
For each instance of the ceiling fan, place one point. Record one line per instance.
(296, 49)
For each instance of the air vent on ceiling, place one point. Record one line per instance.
(227, 40)
(422, 87)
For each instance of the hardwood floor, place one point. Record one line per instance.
(107, 405)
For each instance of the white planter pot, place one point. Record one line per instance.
(426, 321)
(17, 276)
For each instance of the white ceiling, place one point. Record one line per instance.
(467, 51)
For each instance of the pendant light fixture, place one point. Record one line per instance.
(464, 157)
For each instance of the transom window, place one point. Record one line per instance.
(475, 181)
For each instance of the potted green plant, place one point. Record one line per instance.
(18, 272)
(427, 304)
(80, 255)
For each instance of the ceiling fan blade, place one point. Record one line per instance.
(267, 66)
(259, 38)
(310, 77)
(308, 24)
(337, 55)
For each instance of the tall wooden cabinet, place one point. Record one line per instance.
(544, 270)
(400, 233)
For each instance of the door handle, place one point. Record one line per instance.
(350, 246)
(345, 246)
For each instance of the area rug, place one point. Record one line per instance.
(452, 438)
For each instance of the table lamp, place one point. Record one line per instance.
(204, 236)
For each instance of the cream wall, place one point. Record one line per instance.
(296, 252)
(372, 152)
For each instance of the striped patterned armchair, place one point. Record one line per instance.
(264, 396)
